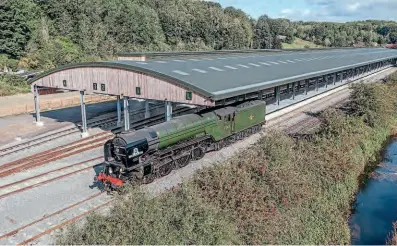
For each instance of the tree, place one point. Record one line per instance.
(262, 35)
(277, 43)
(133, 27)
(393, 36)
(15, 31)
(327, 42)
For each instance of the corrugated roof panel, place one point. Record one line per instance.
(250, 73)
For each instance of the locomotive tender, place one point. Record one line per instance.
(155, 151)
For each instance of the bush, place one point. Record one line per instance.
(12, 84)
(374, 103)
(173, 218)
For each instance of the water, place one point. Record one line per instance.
(376, 206)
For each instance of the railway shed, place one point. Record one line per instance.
(217, 79)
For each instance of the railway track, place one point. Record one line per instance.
(107, 123)
(30, 232)
(64, 151)
(47, 177)
(306, 124)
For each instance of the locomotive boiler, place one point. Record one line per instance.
(155, 151)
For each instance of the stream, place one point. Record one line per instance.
(375, 208)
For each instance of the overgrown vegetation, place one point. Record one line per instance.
(282, 190)
(45, 34)
(11, 85)
(392, 240)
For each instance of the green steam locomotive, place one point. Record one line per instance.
(155, 151)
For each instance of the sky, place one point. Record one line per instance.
(318, 10)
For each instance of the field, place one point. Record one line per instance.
(300, 44)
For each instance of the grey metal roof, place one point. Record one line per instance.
(219, 52)
(222, 77)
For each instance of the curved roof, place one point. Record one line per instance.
(222, 77)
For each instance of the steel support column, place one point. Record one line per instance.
(37, 106)
(147, 109)
(334, 78)
(83, 116)
(293, 90)
(260, 95)
(277, 91)
(168, 111)
(325, 79)
(126, 114)
(287, 89)
(118, 111)
(316, 84)
(306, 86)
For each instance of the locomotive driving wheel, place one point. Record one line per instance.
(198, 153)
(147, 179)
(165, 169)
(182, 161)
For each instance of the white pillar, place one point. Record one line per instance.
(37, 106)
(168, 111)
(118, 111)
(83, 116)
(147, 110)
(126, 114)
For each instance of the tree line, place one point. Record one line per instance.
(47, 33)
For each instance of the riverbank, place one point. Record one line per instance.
(282, 190)
(375, 208)
(392, 240)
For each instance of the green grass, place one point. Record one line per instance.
(300, 44)
(282, 190)
(11, 85)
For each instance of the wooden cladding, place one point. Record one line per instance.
(113, 81)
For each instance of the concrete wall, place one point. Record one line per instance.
(51, 104)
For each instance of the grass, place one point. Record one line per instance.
(300, 44)
(282, 190)
(11, 85)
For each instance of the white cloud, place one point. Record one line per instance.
(353, 7)
(345, 10)
(287, 11)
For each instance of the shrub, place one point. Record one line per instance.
(173, 218)
(375, 103)
(12, 84)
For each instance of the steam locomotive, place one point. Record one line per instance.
(155, 151)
